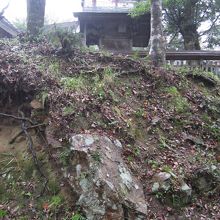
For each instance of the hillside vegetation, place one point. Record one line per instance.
(167, 121)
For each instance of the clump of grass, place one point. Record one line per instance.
(139, 113)
(65, 157)
(53, 185)
(56, 201)
(185, 70)
(96, 156)
(68, 110)
(108, 75)
(77, 216)
(177, 102)
(103, 81)
(54, 68)
(73, 83)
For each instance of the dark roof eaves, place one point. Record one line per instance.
(8, 27)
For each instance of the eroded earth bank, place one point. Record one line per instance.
(88, 135)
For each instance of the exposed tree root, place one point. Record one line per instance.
(28, 128)
(16, 117)
(25, 128)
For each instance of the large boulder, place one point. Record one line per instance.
(105, 187)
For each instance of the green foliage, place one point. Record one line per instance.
(136, 151)
(53, 185)
(55, 201)
(186, 71)
(3, 213)
(178, 103)
(214, 130)
(213, 37)
(73, 83)
(102, 81)
(177, 18)
(77, 216)
(43, 98)
(162, 142)
(66, 38)
(54, 68)
(65, 156)
(108, 75)
(67, 110)
(28, 167)
(140, 8)
(20, 24)
(96, 156)
(153, 163)
(140, 112)
(135, 55)
(173, 91)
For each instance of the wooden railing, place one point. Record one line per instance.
(205, 60)
(204, 65)
(193, 55)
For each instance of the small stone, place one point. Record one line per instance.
(136, 186)
(155, 187)
(213, 168)
(185, 188)
(194, 140)
(162, 176)
(78, 170)
(35, 104)
(117, 143)
(155, 120)
(165, 186)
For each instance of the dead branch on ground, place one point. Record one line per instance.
(28, 128)
(31, 149)
(30, 143)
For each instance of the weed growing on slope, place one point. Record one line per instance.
(177, 101)
(73, 83)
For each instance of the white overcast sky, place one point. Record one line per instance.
(56, 10)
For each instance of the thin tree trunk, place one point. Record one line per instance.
(157, 50)
(35, 16)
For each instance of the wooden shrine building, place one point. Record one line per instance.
(107, 23)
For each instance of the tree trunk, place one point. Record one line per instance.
(35, 16)
(157, 50)
(188, 27)
(191, 40)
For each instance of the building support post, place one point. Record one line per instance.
(84, 35)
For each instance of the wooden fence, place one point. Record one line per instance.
(205, 65)
(205, 60)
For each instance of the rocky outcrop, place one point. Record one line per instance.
(206, 181)
(104, 184)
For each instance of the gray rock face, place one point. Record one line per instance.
(106, 187)
(173, 191)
